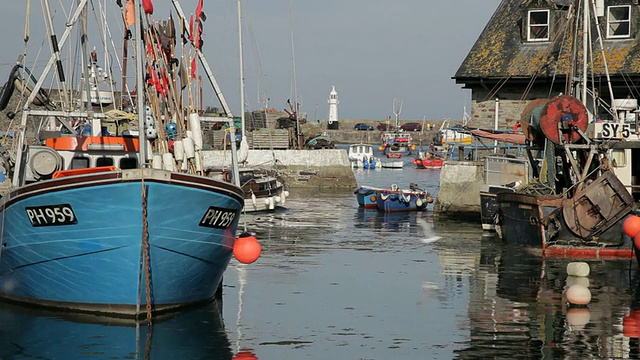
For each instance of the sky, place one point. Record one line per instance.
(372, 51)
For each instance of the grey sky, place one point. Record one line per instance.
(372, 51)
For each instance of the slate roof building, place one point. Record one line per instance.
(528, 47)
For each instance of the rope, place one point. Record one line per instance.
(144, 255)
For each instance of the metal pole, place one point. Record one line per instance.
(140, 82)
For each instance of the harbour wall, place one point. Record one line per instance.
(459, 192)
(327, 168)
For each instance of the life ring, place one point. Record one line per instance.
(372, 198)
(394, 187)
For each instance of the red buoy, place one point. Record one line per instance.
(245, 355)
(247, 248)
(636, 241)
(631, 226)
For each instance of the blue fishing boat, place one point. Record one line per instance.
(104, 220)
(395, 199)
(367, 196)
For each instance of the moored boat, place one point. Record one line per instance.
(395, 199)
(123, 224)
(361, 156)
(367, 196)
(577, 209)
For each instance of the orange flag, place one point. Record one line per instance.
(147, 6)
(129, 13)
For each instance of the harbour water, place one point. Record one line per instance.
(338, 282)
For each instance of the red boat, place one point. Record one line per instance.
(432, 163)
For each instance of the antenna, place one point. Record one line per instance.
(397, 109)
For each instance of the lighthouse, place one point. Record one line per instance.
(333, 109)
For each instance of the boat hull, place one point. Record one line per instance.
(429, 163)
(266, 200)
(489, 206)
(367, 197)
(396, 201)
(89, 255)
(592, 230)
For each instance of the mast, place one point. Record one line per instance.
(205, 65)
(140, 90)
(295, 80)
(242, 117)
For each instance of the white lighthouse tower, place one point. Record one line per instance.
(333, 109)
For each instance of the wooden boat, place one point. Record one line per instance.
(395, 199)
(367, 196)
(124, 224)
(264, 189)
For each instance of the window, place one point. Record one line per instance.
(104, 161)
(619, 21)
(538, 29)
(128, 163)
(619, 158)
(79, 163)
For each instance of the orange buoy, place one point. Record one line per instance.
(636, 241)
(247, 248)
(578, 295)
(631, 226)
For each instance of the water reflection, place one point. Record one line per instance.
(518, 309)
(194, 334)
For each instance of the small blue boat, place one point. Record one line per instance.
(367, 196)
(394, 199)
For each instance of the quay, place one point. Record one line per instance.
(326, 168)
(320, 168)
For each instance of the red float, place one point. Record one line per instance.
(247, 248)
(631, 226)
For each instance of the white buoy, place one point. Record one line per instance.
(578, 268)
(178, 150)
(185, 162)
(272, 204)
(149, 151)
(266, 202)
(167, 162)
(189, 147)
(578, 295)
(196, 132)
(199, 161)
(243, 151)
(278, 199)
(577, 280)
(156, 163)
(253, 199)
(284, 195)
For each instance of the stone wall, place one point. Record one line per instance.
(511, 105)
(301, 168)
